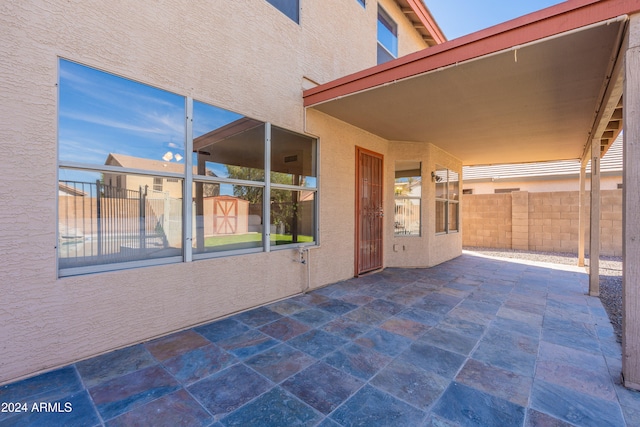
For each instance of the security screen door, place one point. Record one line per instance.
(369, 212)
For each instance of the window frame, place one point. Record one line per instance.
(449, 201)
(188, 179)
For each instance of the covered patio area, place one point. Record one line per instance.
(557, 84)
(473, 341)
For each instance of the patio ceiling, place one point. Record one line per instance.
(527, 90)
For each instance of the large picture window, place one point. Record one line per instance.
(447, 199)
(137, 186)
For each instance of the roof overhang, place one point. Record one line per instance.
(528, 90)
(422, 21)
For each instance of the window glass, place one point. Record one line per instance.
(387, 37)
(228, 218)
(441, 216)
(453, 217)
(440, 178)
(226, 144)
(408, 194)
(292, 158)
(292, 216)
(454, 186)
(107, 120)
(122, 177)
(362, 2)
(114, 218)
(447, 199)
(291, 8)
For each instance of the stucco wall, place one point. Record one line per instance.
(551, 218)
(243, 56)
(486, 220)
(418, 251)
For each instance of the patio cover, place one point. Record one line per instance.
(528, 90)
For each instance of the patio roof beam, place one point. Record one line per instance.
(581, 213)
(630, 205)
(594, 235)
(612, 89)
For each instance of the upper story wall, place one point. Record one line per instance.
(244, 56)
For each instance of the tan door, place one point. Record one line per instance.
(369, 213)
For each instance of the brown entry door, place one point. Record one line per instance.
(369, 212)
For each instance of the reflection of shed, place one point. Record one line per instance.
(230, 215)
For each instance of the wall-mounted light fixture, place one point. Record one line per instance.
(435, 178)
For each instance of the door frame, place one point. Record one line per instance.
(356, 268)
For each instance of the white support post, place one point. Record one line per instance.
(594, 237)
(581, 213)
(630, 209)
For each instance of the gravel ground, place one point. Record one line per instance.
(610, 277)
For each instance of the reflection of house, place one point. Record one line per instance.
(538, 177)
(299, 116)
(70, 191)
(172, 186)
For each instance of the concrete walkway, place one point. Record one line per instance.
(472, 342)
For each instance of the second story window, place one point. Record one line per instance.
(362, 2)
(387, 37)
(291, 8)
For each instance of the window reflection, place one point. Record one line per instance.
(122, 176)
(107, 218)
(226, 144)
(292, 216)
(228, 218)
(105, 119)
(408, 194)
(447, 199)
(387, 37)
(292, 158)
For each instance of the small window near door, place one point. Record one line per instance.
(447, 199)
(408, 198)
(387, 37)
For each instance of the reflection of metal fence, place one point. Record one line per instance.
(407, 216)
(97, 220)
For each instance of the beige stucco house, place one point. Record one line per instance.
(562, 175)
(298, 108)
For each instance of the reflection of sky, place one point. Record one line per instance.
(387, 38)
(101, 114)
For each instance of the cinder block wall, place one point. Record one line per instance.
(539, 221)
(486, 220)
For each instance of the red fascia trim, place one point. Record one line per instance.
(557, 19)
(427, 20)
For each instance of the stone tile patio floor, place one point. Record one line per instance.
(472, 342)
